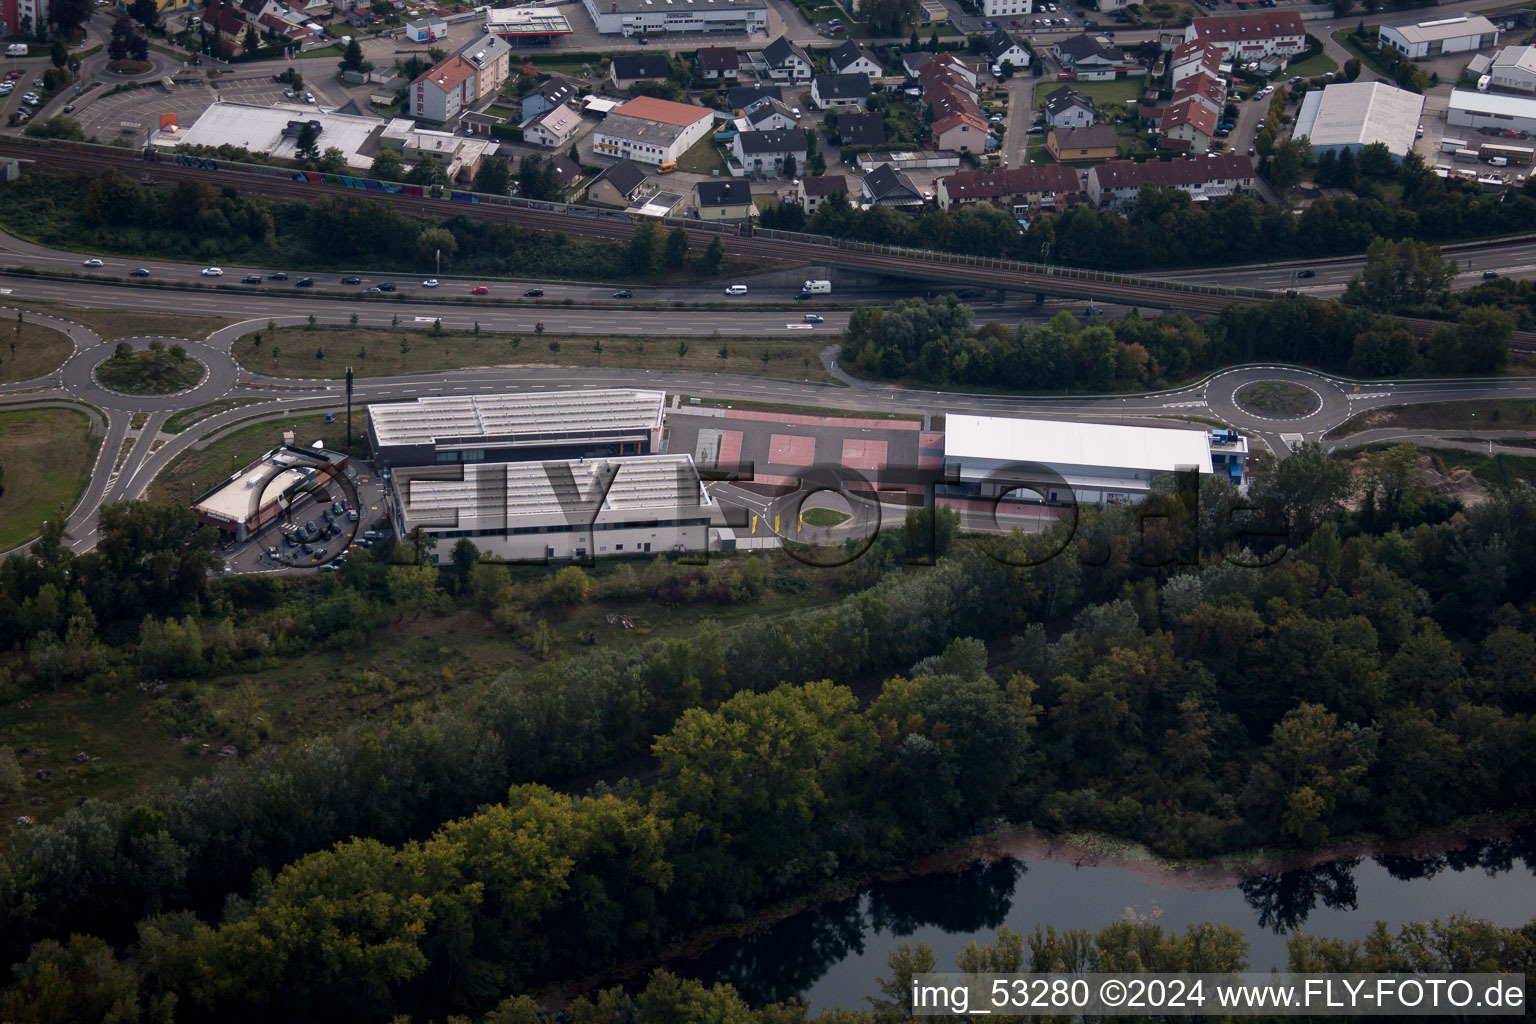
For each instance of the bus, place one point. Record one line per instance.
(667, 168)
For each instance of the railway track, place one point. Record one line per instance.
(912, 264)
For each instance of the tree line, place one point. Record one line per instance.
(1376, 678)
(937, 341)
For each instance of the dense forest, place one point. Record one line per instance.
(1168, 229)
(1158, 683)
(936, 341)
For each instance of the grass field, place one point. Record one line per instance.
(1276, 398)
(1486, 414)
(112, 324)
(154, 372)
(702, 157)
(376, 352)
(46, 455)
(1317, 64)
(186, 417)
(824, 517)
(1111, 96)
(194, 471)
(33, 352)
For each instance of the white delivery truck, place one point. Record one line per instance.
(818, 287)
(16, 50)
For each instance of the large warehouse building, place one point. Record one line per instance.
(1469, 109)
(576, 509)
(651, 131)
(515, 428)
(1097, 462)
(1446, 35)
(637, 17)
(1358, 114)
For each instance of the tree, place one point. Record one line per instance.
(59, 53)
(1484, 333)
(816, 163)
(645, 248)
(790, 167)
(493, 177)
(352, 59)
(1306, 488)
(1287, 162)
(387, 165)
(306, 145)
(434, 241)
(1402, 274)
(67, 16)
(1352, 66)
(464, 556)
(60, 127)
(536, 178)
(252, 41)
(714, 256)
(426, 172)
(120, 43)
(145, 12)
(677, 249)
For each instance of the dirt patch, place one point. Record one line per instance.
(1439, 478)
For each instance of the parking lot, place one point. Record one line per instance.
(361, 489)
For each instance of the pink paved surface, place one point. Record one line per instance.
(860, 454)
(930, 462)
(730, 447)
(823, 421)
(791, 450)
(930, 440)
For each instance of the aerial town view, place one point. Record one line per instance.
(767, 511)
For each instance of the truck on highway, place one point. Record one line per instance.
(817, 287)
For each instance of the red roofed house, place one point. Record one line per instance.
(1095, 142)
(224, 21)
(441, 93)
(1188, 125)
(1206, 89)
(1017, 189)
(961, 132)
(1246, 37)
(1118, 183)
(1193, 58)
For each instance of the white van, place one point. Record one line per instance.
(16, 50)
(736, 289)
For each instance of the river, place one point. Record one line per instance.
(829, 956)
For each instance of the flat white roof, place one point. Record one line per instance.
(1069, 443)
(539, 414)
(240, 497)
(260, 130)
(491, 493)
(1359, 114)
(1492, 103)
(1444, 28)
(526, 20)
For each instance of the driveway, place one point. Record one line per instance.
(1021, 114)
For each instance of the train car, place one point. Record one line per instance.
(411, 190)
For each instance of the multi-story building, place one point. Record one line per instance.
(787, 62)
(1019, 190)
(1117, 184)
(844, 90)
(491, 57)
(853, 59)
(1067, 108)
(1006, 8)
(1251, 37)
(637, 17)
(442, 92)
(651, 131)
(1083, 145)
(765, 153)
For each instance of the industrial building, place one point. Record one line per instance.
(1469, 109)
(515, 427)
(1513, 68)
(1097, 462)
(637, 17)
(1445, 35)
(575, 509)
(526, 24)
(256, 496)
(651, 131)
(1351, 116)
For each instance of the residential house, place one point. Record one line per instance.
(767, 115)
(717, 63)
(813, 190)
(553, 128)
(1080, 145)
(1016, 189)
(1250, 37)
(860, 128)
(740, 97)
(1192, 58)
(1188, 125)
(547, 96)
(853, 59)
(727, 199)
(491, 56)
(444, 90)
(1067, 108)
(914, 63)
(787, 62)
(1087, 58)
(886, 186)
(850, 90)
(567, 171)
(1207, 90)
(1117, 184)
(618, 185)
(224, 21)
(963, 132)
(627, 69)
(252, 10)
(764, 153)
(1004, 49)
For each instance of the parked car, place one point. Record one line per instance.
(351, 280)
(251, 279)
(69, 108)
(479, 289)
(623, 293)
(139, 272)
(309, 97)
(534, 293)
(92, 262)
(430, 282)
(213, 271)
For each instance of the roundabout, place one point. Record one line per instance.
(152, 371)
(1271, 399)
(1277, 399)
(88, 375)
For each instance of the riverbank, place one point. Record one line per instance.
(1078, 851)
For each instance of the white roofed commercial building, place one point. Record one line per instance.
(1094, 462)
(1470, 109)
(1514, 68)
(637, 17)
(651, 131)
(519, 23)
(574, 509)
(255, 496)
(515, 427)
(1357, 114)
(1445, 35)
